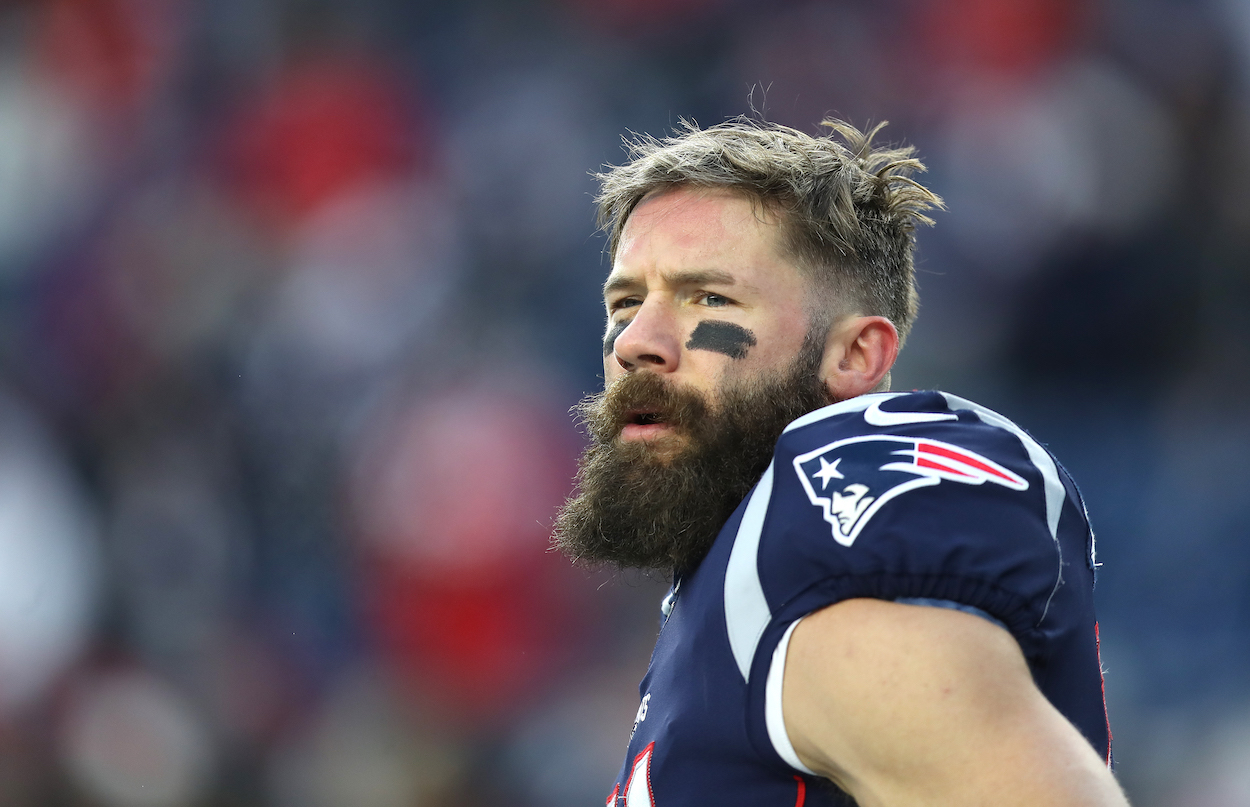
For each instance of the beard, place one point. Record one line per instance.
(640, 505)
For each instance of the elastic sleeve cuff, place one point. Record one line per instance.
(774, 719)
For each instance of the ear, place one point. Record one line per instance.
(859, 353)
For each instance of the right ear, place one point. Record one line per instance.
(859, 353)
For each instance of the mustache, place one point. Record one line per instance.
(639, 398)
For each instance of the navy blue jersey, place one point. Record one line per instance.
(912, 497)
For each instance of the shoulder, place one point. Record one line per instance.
(851, 458)
(927, 413)
(916, 496)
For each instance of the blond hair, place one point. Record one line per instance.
(849, 211)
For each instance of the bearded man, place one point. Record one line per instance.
(878, 598)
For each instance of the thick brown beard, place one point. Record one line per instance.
(638, 507)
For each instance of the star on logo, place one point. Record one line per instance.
(828, 470)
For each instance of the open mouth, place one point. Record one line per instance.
(644, 424)
(645, 418)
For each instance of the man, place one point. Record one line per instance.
(877, 597)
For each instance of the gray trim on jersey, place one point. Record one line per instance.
(746, 610)
(774, 718)
(1055, 492)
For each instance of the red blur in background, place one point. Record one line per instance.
(455, 500)
(324, 126)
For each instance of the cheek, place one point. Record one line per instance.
(773, 352)
(726, 338)
(609, 341)
(611, 369)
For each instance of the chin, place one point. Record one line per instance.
(663, 448)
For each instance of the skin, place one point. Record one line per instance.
(688, 257)
(900, 705)
(609, 341)
(931, 707)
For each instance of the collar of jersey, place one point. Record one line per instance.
(858, 404)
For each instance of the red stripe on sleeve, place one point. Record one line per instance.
(966, 459)
(922, 462)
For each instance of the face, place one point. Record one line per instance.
(700, 295)
(707, 357)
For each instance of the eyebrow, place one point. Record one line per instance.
(694, 277)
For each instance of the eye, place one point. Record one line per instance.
(713, 300)
(624, 302)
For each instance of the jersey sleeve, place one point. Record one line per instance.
(919, 498)
(963, 510)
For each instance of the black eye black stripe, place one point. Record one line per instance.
(610, 340)
(726, 338)
(732, 340)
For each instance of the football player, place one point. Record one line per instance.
(878, 598)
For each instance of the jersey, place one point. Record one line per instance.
(919, 498)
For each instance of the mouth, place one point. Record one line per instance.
(644, 424)
(644, 418)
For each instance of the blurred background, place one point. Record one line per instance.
(295, 296)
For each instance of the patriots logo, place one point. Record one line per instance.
(851, 480)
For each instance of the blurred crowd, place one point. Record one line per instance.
(295, 296)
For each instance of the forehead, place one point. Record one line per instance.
(694, 224)
(700, 230)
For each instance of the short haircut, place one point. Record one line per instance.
(848, 210)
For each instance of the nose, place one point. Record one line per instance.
(650, 340)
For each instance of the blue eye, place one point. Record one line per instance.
(714, 300)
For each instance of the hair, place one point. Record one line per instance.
(848, 210)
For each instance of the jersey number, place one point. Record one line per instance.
(638, 785)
